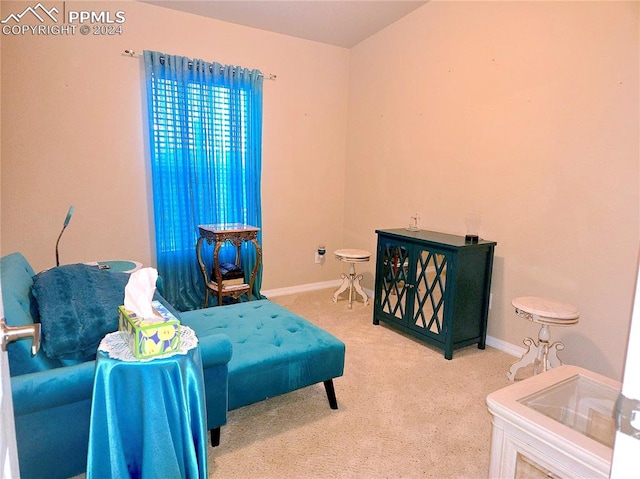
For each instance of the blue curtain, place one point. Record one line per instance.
(205, 128)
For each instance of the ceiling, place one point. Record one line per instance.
(341, 23)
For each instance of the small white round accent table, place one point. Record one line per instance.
(546, 312)
(351, 281)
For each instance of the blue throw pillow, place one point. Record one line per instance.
(78, 305)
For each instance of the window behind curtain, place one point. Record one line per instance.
(205, 124)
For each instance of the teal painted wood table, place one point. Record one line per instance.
(434, 286)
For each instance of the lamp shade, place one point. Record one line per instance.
(69, 215)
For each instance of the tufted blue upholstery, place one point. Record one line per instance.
(274, 350)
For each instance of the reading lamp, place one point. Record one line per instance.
(66, 223)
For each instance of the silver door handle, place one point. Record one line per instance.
(11, 333)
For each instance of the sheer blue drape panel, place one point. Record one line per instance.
(205, 122)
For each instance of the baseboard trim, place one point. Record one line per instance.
(495, 343)
(301, 288)
(504, 346)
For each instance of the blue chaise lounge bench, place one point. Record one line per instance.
(250, 352)
(274, 351)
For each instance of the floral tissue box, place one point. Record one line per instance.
(150, 338)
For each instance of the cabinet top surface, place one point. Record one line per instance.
(435, 237)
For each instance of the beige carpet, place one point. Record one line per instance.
(404, 411)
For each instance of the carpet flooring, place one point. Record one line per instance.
(404, 410)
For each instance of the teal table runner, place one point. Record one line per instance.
(121, 266)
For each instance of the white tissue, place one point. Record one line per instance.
(138, 293)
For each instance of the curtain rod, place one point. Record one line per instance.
(134, 54)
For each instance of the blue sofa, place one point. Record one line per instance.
(250, 352)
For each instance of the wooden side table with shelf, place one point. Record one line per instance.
(236, 234)
(434, 286)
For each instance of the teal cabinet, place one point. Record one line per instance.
(434, 286)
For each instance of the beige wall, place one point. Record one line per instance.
(526, 113)
(73, 133)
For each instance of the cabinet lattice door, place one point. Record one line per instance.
(394, 285)
(430, 285)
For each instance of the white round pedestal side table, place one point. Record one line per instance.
(546, 312)
(351, 281)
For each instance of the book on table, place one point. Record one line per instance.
(231, 274)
